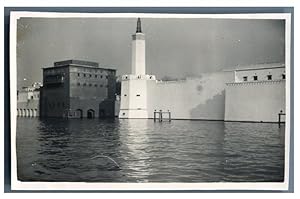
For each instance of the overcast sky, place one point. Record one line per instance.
(174, 47)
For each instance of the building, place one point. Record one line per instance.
(78, 89)
(201, 97)
(28, 101)
(257, 94)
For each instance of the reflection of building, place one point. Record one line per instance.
(75, 88)
(28, 101)
(203, 97)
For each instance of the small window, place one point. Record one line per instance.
(255, 78)
(125, 95)
(245, 78)
(138, 95)
(283, 76)
(90, 75)
(78, 84)
(100, 76)
(84, 75)
(96, 85)
(269, 77)
(90, 84)
(123, 113)
(95, 76)
(106, 76)
(31, 97)
(84, 84)
(78, 74)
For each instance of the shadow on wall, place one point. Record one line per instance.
(212, 109)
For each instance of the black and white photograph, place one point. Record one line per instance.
(150, 101)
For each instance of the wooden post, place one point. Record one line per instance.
(160, 115)
(279, 118)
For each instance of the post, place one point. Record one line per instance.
(160, 115)
(279, 118)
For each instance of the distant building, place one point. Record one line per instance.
(77, 89)
(28, 101)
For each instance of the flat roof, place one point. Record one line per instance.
(77, 62)
(258, 67)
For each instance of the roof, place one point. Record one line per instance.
(76, 62)
(258, 67)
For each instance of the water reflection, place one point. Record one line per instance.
(144, 151)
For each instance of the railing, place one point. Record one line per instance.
(279, 117)
(160, 115)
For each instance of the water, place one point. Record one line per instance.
(144, 151)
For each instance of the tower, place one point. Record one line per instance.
(138, 62)
(134, 86)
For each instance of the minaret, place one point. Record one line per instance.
(138, 66)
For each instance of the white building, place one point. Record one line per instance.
(252, 94)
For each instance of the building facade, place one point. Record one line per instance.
(257, 94)
(78, 89)
(28, 101)
(237, 95)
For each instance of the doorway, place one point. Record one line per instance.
(90, 114)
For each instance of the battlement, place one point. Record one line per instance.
(138, 77)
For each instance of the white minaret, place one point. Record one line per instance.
(134, 88)
(138, 61)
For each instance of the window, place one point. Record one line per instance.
(255, 78)
(78, 84)
(106, 76)
(84, 84)
(90, 75)
(84, 75)
(245, 78)
(125, 95)
(123, 113)
(100, 76)
(96, 85)
(138, 95)
(269, 77)
(31, 97)
(90, 84)
(95, 76)
(78, 74)
(283, 76)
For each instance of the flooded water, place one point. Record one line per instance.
(145, 151)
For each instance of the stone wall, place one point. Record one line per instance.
(255, 101)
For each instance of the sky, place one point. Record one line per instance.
(174, 47)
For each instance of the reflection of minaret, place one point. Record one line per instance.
(138, 61)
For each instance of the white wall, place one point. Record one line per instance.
(255, 101)
(194, 98)
(260, 73)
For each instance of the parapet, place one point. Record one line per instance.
(76, 62)
(137, 77)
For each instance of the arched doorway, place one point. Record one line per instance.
(31, 113)
(79, 113)
(90, 113)
(27, 112)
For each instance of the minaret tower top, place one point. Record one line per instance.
(139, 26)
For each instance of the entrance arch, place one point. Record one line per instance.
(79, 113)
(90, 113)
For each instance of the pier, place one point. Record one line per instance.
(159, 115)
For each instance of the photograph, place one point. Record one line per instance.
(150, 101)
